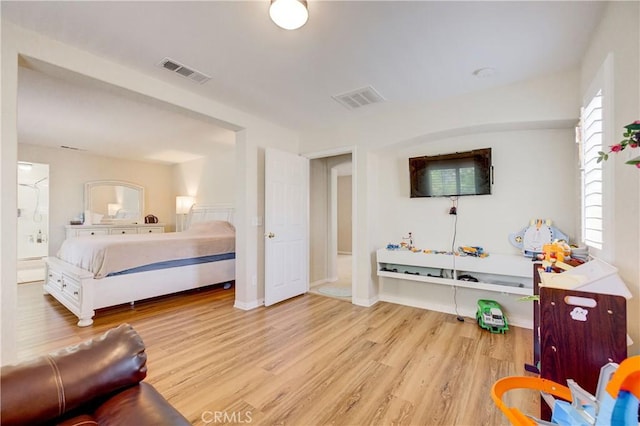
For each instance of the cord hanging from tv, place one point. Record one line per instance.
(451, 175)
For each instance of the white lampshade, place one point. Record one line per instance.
(289, 14)
(184, 203)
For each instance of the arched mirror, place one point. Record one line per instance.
(112, 201)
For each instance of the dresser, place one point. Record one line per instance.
(113, 229)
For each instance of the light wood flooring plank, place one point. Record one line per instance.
(312, 360)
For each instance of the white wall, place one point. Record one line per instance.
(344, 214)
(534, 178)
(69, 170)
(210, 178)
(618, 34)
(319, 220)
(253, 135)
(550, 102)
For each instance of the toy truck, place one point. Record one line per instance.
(490, 316)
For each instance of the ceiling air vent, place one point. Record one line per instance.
(183, 70)
(359, 98)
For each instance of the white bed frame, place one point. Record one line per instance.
(79, 292)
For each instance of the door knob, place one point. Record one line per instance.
(270, 235)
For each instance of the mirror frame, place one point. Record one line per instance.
(88, 186)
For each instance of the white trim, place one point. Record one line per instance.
(329, 153)
(332, 211)
(592, 174)
(354, 231)
(448, 309)
(320, 282)
(367, 303)
(604, 80)
(354, 214)
(248, 306)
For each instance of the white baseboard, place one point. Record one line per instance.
(422, 304)
(448, 309)
(520, 322)
(367, 303)
(247, 306)
(344, 252)
(325, 281)
(317, 283)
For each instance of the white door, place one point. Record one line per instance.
(286, 226)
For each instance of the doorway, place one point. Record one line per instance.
(331, 233)
(33, 220)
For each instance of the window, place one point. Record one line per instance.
(592, 200)
(598, 179)
(452, 179)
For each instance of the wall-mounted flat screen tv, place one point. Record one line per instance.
(451, 175)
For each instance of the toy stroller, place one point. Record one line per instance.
(615, 403)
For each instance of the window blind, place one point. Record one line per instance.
(592, 172)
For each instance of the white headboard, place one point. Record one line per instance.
(202, 213)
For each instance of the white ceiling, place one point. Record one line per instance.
(411, 52)
(57, 108)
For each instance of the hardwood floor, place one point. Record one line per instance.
(308, 361)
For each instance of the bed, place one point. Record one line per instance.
(90, 273)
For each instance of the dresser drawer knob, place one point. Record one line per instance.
(75, 293)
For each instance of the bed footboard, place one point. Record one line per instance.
(70, 286)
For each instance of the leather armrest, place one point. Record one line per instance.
(141, 405)
(42, 389)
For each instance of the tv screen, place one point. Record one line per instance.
(449, 175)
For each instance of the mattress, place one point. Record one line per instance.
(111, 254)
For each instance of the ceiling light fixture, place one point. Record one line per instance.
(289, 14)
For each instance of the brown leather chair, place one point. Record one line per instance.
(95, 382)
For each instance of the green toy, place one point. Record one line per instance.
(490, 316)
